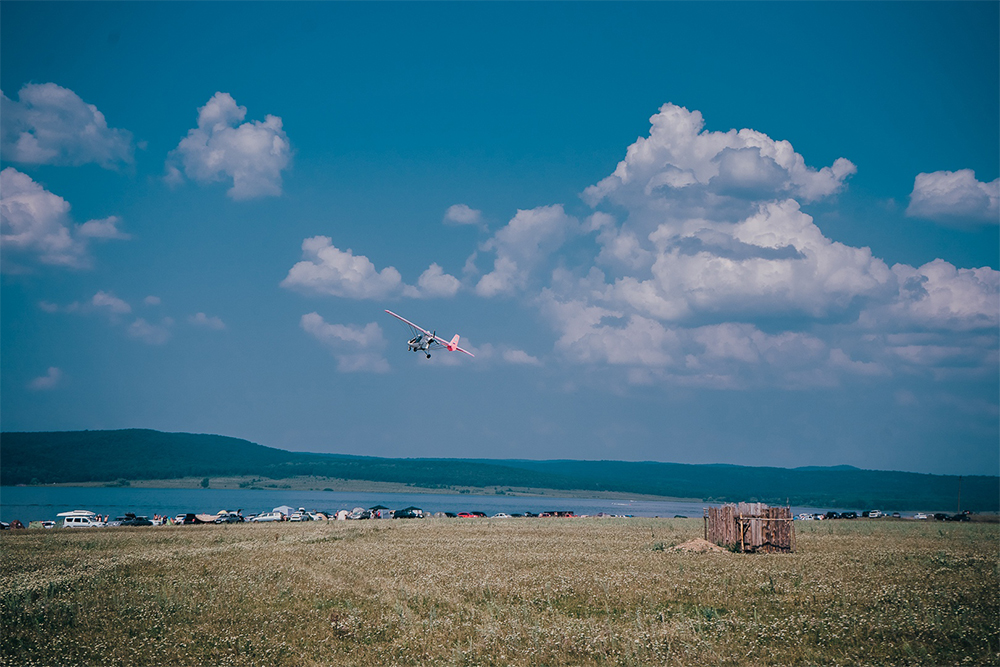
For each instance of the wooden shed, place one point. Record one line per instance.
(750, 527)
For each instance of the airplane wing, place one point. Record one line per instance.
(410, 323)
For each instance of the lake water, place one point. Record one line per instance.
(31, 503)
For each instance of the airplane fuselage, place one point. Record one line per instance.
(421, 343)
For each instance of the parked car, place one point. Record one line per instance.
(229, 517)
(80, 519)
(300, 516)
(920, 516)
(136, 521)
(874, 514)
(265, 517)
(848, 515)
(833, 515)
(501, 515)
(465, 515)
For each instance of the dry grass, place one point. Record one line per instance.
(498, 592)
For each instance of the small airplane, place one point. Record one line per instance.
(425, 341)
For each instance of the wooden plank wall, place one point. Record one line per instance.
(750, 527)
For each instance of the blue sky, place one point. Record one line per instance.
(749, 233)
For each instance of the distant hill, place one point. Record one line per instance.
(97, 456)
(105, 456)
(840, 486)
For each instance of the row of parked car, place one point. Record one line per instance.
(358, 513)
(877, 514)
(88, 519)
(819, 516)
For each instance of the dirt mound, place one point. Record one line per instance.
(698, 546)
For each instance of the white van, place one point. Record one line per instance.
(80, 519)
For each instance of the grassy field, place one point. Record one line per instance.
(498, 592)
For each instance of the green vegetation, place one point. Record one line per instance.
(841, 486)
(498, 592)
(104, 456)
(48, 458)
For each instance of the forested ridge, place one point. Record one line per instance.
(140, 454)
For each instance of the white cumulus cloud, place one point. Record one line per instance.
(35, 224)
(105, 228)
(251, 155)
(326, 269)
(462, 214)
(955, 197)
(50, 124)
(48, 381)
(707, 272)
(530, 237)
(150, 333)
(730, 355)
(356, 348)
(520, 357)
(775, 261)
(939, 296)
(111, 303)
(434, 282)
(204, 321)
(679, 154)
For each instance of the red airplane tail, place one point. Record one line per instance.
(453, 344)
